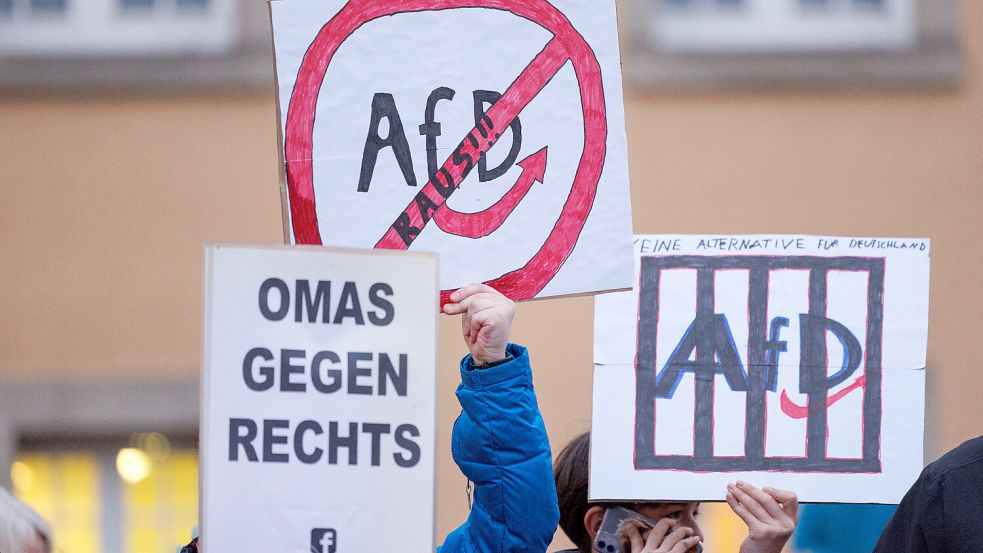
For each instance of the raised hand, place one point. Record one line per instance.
(486, 321)
(770, 514)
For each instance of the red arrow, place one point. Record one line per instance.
(483, 223)
(799, 412)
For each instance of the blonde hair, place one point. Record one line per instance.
(20, 526)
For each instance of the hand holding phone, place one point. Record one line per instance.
(626, 531)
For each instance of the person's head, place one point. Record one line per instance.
(580, 519)
(21, 529)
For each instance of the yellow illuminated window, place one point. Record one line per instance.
(722, 529)
(160, 510)
(65, 490)
(139, 499)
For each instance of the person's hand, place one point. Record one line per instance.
(486, 321)
(666, 537)
(771, 516)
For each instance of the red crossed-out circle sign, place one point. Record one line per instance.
(566, 45)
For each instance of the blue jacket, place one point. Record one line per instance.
(500, 444)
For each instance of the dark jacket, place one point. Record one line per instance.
(500, 443)
(943, 510)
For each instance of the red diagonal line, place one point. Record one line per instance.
(799, 412)
(522, 91)
(485, 222)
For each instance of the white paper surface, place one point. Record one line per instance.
(531, 232)
(273, 476)
(766, 322)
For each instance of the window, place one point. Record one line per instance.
(195, 4)
(163, 5)
(117, 27)
(87, 457)
(182, 45)
(714, 43)
(128, 5)
(95, 505)
(750, 25)
(64, 488)
(48, 7)
(32, 8)
(160, 511)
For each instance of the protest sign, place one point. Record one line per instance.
(790, 361)
(318, 415)
(490, 131)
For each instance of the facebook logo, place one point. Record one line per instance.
(324, 540)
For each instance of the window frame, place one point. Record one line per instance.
(934, 60)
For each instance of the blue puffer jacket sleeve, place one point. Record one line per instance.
(500, 444)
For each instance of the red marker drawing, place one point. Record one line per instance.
(483, 223)
(481, 138)
(799, 412)
(567, 46)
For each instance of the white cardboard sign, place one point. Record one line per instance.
(490, 131)
(790, 361)
(318, 414)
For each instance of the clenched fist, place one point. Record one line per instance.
(485, 322)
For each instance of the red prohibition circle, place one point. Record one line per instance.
(531, 278)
